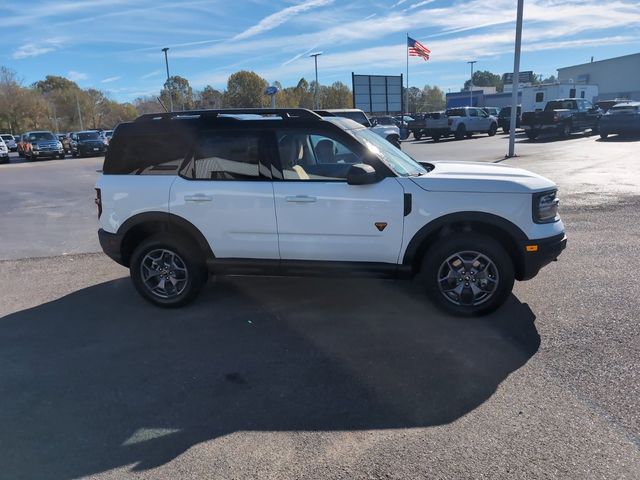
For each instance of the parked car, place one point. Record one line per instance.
(465, 121)
(623, 118)
(64, 139)
(9, 141)
(605, 105)
(42, 144)
(432, 124)
(86, 143)
(20, 144)
(495, 111)
(389, 132)
(105, 136)
(4, 151)
(504, 118)
(208, 189)
(562, 117)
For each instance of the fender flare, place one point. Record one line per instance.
(416, 242)
(174, 223)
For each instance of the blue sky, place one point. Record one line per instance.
(114, 45)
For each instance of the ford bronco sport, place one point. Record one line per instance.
(285, 191)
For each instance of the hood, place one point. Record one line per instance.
(384, 130)
(482, 178)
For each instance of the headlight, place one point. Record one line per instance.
(545, 207)
(34, 147)
(59, 144)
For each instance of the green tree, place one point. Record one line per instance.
(431, 99)
(246, 90)
(209, 97)
(337, 95)
(484, 78)
(182, 93)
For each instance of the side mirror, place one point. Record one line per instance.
(361, 174)
(374, 122)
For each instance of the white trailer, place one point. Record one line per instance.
(535, 97)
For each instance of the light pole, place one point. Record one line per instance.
(516, 79)
(471, 86)
(315, 92)
(166, 61)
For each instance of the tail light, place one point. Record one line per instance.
(98, 201)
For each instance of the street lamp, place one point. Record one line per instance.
(315, 93)
(166, 61)
(471, 86)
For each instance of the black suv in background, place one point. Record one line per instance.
(504, 118)
(86, 144)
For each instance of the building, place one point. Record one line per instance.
(481, 98)
(617, 77)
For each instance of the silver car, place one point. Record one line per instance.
(9, 141)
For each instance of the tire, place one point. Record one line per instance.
(505, 129)
(604, 135)
(417, 135)
(21, 154)
(565, 130)
(532, 134)
(183, 263)
(61, 156)
(492, 130)
(73, 154)
(438, 270)
(461, 132)
(436, 138)
(469, 134)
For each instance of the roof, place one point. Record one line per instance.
(600, 61)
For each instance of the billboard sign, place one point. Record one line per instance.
(378, 94)
(523, 77)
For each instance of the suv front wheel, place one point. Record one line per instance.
(468, 273)
(167, 270)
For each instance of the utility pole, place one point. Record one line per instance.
(471, 86)
(315, 93)
(166, 62)
(516, 75)
(79, 112)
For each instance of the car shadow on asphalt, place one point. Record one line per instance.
(99, 379)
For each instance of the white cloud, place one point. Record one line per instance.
(110, 79)
(420, 4)
(398, 3)
(151, 74)
(76, 76)
(276, 19)
(33, 49)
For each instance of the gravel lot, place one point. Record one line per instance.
(322, 378)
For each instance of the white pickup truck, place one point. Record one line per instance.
(390, 132)
(465, 121)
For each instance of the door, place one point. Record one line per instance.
(226, 192)
(483, 121)
(473, 121)
(320, 216)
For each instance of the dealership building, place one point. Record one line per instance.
(617, 77)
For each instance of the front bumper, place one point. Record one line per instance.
(538, 253)
(47, 153)
(111, 244)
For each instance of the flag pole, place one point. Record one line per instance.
(406, 50)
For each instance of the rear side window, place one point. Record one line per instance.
(225, 156)
(539, 97)
(146, 154)
(455, 112)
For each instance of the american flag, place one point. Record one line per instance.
(416, 49)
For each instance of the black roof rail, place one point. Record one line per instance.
(282, 112)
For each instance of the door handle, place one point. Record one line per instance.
(198, 197)
(300, 199)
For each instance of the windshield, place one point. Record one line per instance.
(561, 104)
(455, 112)
(7, 137)
(359, 117)
(40, 136)
(398, 161)
(88, 136)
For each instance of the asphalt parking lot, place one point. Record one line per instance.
(322, 378)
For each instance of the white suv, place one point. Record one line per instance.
(389, 132)
(285, 191)
(465, 121)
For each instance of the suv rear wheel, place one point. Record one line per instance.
(468, 274)
(461, 132)
(167, 270)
